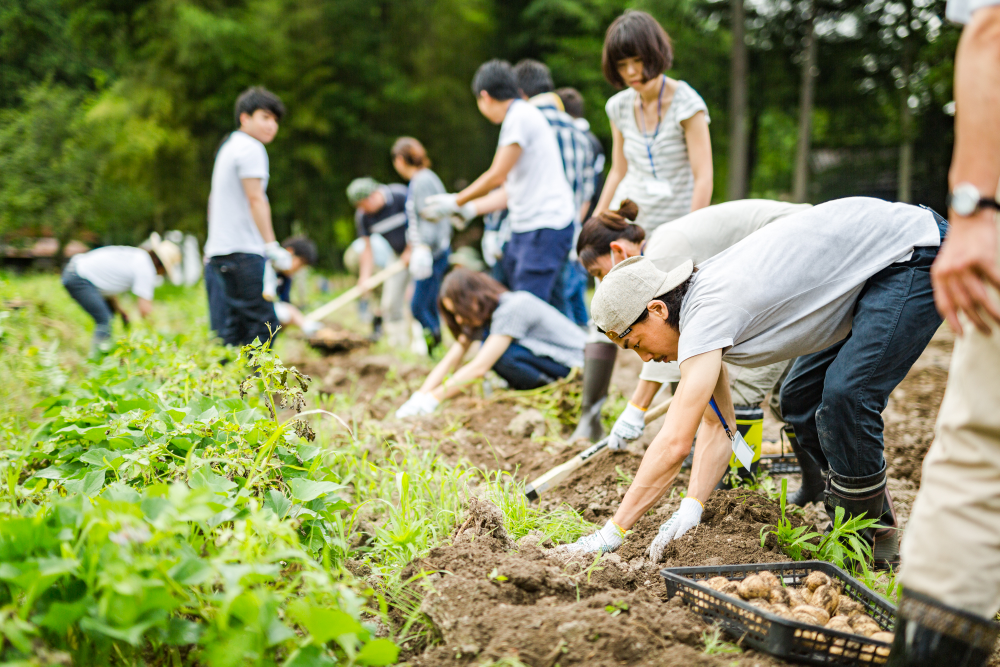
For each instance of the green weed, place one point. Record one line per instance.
(561, 525)
(715, 644)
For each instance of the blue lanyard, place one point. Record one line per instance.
(642, 117)
(721, 419)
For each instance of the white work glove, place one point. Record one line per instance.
(629, 426)
(608, 538)
(421, 262)
(270, 291)
(683, 520)
(310, 328)
(418, 404)
(491, 247)
(281, 258)
(441, 206)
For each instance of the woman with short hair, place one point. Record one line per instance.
(525, 340)
(662, 153)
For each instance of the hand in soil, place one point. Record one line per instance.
(608, 538)
(418, 404)
(683, 520)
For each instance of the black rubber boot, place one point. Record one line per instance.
(376, 333)
(813, 477)
(598, 363)
(932, 634)
(869, 496)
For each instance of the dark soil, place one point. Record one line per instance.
(544, 607)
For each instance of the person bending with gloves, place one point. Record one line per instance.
(844, 287)
(611, 236)
(527, 342)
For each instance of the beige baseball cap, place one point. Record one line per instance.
(169, 255)
(623, 294)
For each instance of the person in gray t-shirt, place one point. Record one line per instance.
(845, 287)
(429, 241)
(528, 342)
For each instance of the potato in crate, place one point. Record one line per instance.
(809, 611)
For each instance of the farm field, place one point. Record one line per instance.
(180, 503)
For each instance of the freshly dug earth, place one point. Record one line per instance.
(545, 606)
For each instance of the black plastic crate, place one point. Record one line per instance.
(782, 637)
(780, 464)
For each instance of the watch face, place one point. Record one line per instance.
(965, 199)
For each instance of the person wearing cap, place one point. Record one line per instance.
(843, 287)
(95, 278)
(612, 236)
(381, 209)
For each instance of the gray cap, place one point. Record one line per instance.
(361, 188)
(623, 294)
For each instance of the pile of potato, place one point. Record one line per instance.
(819, 602)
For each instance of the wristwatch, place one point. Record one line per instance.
(965, 200)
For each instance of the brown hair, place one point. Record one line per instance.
(602, 230)
(572, 101)
(474, 296)
(636, 34)
(412, 152)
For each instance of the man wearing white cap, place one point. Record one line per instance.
(845, 288)
(95, 278)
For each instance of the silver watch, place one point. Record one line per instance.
(965, 200)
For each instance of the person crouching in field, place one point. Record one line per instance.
(610, 237)
(527, 342)
(843, 286)
(95, 278)
(303, 253)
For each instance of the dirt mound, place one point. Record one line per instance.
(544, 606)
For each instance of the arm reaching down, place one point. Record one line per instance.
(699, 145)
(619, 167)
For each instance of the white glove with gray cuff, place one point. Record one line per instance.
(281, 258)
(629, 426)
(418, 404)
(683, 520)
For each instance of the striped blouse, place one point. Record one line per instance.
(667, 195)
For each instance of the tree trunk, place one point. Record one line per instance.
(800, 180)
(738, 145)
(905, 193)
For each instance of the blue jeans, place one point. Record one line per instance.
(533, 260)
(425, 294)
(247, 313)
(569, 296)
(523, 369)
(216, 300)
(90, 298)
(834, 398)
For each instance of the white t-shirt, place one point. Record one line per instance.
(704, 234)
(790, 288)
(961, 11)
(230, 224)
(708, 231)
(663, 188)
(116, 269)
(538, 195)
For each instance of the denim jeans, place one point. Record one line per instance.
(248, 313)
(425, 294)
(90, 298)
(834, 398)
(569, 295)
(533, 260)
(217, 309)
(523, 369)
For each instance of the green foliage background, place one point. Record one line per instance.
(111, 110)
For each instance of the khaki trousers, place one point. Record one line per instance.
(951, 548)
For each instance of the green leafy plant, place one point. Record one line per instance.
(715, 644)
(561, 525)
(616, 607)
